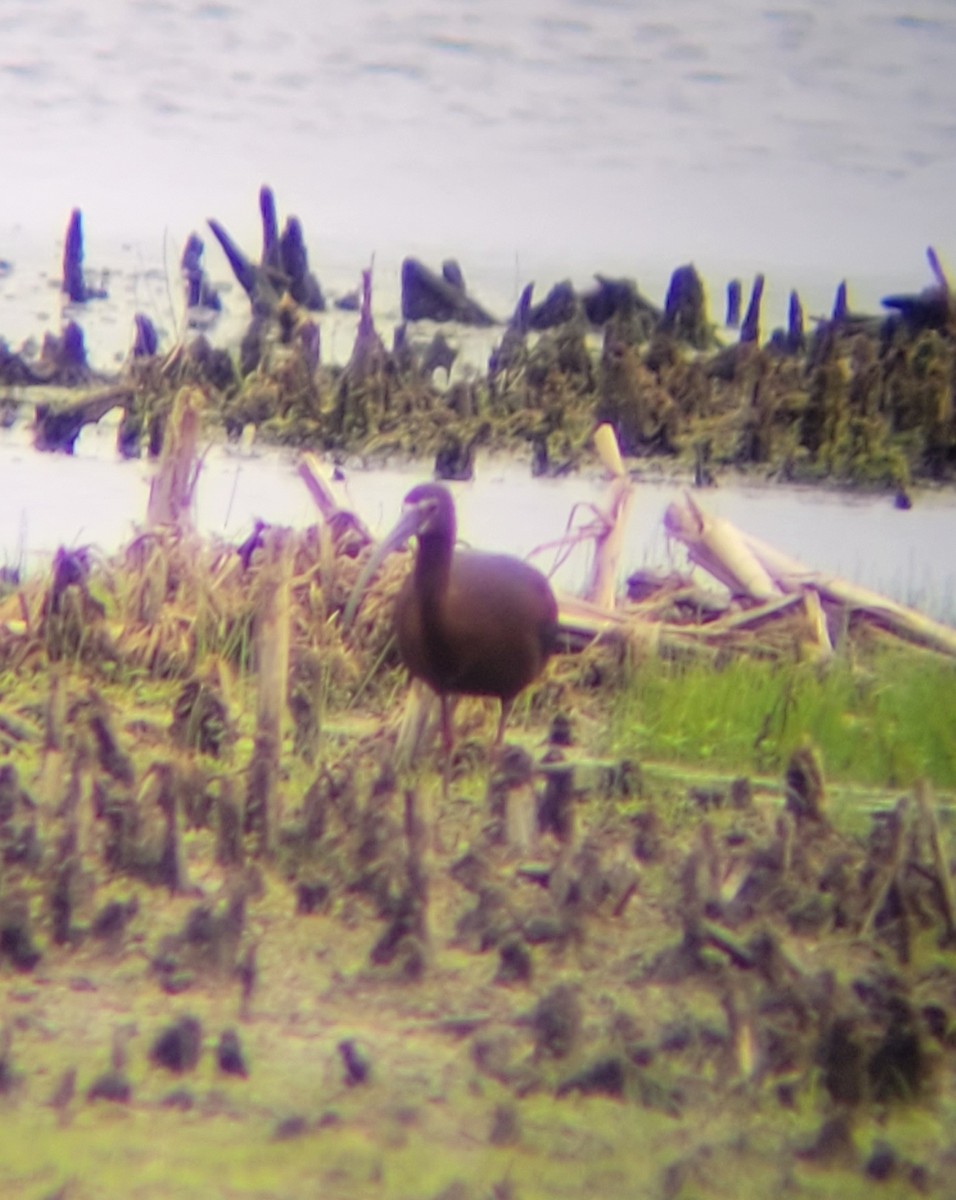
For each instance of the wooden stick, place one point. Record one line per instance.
(792, 575)
(751, 567)
(314, 475)
(902, 825)
(173, 489)
(272, 646)
(927, 809)
(716, 545)
(609, 544)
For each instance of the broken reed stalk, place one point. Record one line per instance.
(273, 626)
(419, 724)
(521, 820)
(602, 585)
(173, 488)
(927, 810)
(50, 783)
(900, 834)
(312, 474)
(172, 863)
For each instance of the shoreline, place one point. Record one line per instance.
(855, 534)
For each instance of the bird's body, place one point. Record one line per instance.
(462, 634)
(467, 623)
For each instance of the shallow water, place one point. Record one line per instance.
(533, 141)
(94, 498)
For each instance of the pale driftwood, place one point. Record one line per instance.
(747, 618)
(601, 587)
(749, 566)
(606, 530)
(792, 575)
(315, 477)
(579, 616)
(751, 618)
(716, 545)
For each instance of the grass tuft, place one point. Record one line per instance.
(885, 723)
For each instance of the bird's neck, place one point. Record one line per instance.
(432, 569)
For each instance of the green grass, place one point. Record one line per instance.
(885, 723)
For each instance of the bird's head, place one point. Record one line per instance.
(428, 510)
(429, 513)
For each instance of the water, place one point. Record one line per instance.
(539, 140)
(533, 141)
(94, 498)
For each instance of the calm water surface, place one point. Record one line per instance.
(93, 498)
(533, 140)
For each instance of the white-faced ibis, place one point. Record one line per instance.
(467, 623)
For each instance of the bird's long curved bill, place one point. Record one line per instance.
(407, 525)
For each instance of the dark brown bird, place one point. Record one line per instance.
(467, 623)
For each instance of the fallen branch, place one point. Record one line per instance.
(719, 547)
(59, 422)
(750, 567)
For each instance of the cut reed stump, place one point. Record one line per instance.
(273, 622)
(750, 329)
(173, 489)
(74, 282)
(200, 292)
(50, 782)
